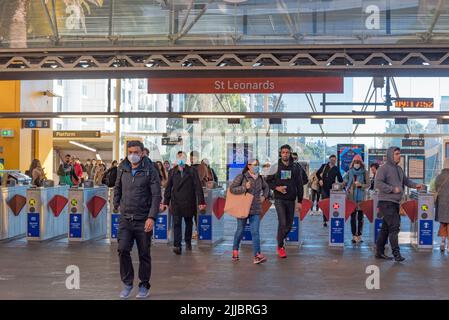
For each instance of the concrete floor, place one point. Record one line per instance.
(315, 271)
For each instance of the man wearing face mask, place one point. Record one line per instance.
(183, 192)
(327, 174)
(390, 182)
(287, 184)
(138, 194)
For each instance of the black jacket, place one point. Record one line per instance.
(184, 193)
(138, 196)
(110, 176)
(293, 179)
(328, 175)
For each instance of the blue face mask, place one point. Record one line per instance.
(256, 169)
(181, 162)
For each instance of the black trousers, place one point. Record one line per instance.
(357, 222)
(391, 225)
(128, 232)
(316, 197)
(177, 230)
(286, 212)
(324, 195)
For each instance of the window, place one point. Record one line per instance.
(123, 95)
(84, 89)
(59, 105)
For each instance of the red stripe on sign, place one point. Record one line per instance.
(246, 85)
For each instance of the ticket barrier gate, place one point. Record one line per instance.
(337, 209)
(88, 213)
(211, 223)
(113, 218)
(12, 214)
(369, 208)
(294, 237)
(47, 212)
(421, 211)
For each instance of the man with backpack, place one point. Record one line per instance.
(288, 186)
(137, 193)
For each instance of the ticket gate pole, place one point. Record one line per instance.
(160, 229)
(13, 220)
(337, 207)
(42, 224)
(88, 213)
(210, 224)
(423, 226)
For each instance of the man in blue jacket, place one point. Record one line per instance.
(390, 181)
(138, 194)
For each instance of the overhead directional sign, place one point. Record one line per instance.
(413, 142)
(36, 123)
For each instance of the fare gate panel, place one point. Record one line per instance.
(337, 218)
(210, 224)
(13, 218)
(88, 213)
(423, 227)
(46, 213)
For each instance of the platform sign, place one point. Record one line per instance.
(75, 225)
(293, 235)
(115, 221)
(426, 232)
(160, 227)
(205, 227)
(36, 123)
(33, 225)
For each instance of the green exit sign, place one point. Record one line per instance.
(7, 133)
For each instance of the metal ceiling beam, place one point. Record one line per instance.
(225, 115)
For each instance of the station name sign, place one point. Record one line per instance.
(76, 134)
(412, 103)
(246, 85)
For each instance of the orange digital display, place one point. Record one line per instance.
(414, 103)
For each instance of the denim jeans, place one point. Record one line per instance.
(254, 223)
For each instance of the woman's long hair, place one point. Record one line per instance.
(162, 170)
(35, 164)
(246, 169)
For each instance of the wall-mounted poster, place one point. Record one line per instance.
(346, 153)
(416, 167)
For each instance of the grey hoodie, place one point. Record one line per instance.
(389, 176)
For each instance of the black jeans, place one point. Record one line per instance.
(177, 230)
(128, 232)
(324, 195)
(357, 222)
(316, 197)
(391, 225)
(286, 212)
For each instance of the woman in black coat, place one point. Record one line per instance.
(183, 192)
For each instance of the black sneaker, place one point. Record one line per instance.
(325, 224)
(399, 258)
(383, 256)
(189, 246)
(177, 250)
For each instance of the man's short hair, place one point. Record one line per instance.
(332, 156)
(397, 149)
(181, 153)
(146, 150)
(68, 155)
(375, 165)
(194, 154)
(135, 143)
(286, 146)
(295, 154)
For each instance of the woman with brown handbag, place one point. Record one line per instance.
(250, 181)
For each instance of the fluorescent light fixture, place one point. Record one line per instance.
(75, 116)
(82, 146)
(445, 117)
(341, 116)
(98, 156)
(212, 116)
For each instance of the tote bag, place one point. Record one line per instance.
(238, 205)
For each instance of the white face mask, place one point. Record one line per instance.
(357, 166)
(133, 158)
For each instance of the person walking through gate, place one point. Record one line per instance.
(390, 182)
(327, 174)
(137, 193)
(184, 191)
(315, 188)
(358, 182)
(287, 184)
(250, 181)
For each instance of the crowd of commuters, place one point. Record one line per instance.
(143, 188)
